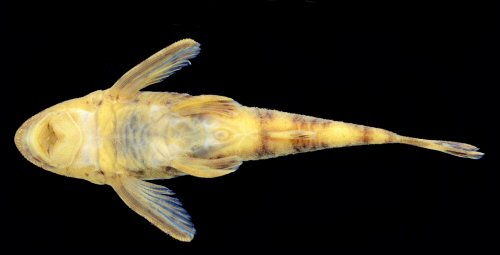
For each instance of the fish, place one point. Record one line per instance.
(124, 137)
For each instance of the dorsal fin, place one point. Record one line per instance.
(155, 68)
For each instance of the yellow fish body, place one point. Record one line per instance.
(122, 137)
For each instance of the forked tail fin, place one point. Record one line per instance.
(462, 150)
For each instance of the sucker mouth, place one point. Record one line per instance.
(50, 140)
(21, 143)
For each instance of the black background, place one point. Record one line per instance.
(420, 69)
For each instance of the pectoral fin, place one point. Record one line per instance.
(207, 168)
(156, 68)
(156, 204)
(206, 104)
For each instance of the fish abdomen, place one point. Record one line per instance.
(146, 139)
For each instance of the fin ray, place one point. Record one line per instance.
(457, 149)
(206, 104)
(155, 68)
(207, 168)
(155, 203)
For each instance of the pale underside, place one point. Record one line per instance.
(152, 137)
(122, 137)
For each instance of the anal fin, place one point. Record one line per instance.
(156, 204)
(292, 134)
(206, 104)
(207, 168)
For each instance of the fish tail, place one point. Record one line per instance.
(284, 133)
(462, 150)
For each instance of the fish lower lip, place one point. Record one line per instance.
(20, 134)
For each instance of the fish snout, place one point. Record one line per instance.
(49, 139)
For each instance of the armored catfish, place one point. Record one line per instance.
(123, 137)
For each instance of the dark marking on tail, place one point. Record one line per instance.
(299, 145)
(265, 116)
(264, 148)
(367, 136)
(309, 124)
(300, 122)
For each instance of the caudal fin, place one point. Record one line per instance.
(462, 150)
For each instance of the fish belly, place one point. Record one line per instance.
(149, 137)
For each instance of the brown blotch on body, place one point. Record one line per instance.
(367, 135)
(265, 116)
(171, 171)
(308, 124)
(326, 123)
(300, 145)
(264, 149)
(299, 122)
(297, 146)
(315, 123)
(324, 145)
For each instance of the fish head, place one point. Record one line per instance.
(54, 139)
(50, 139)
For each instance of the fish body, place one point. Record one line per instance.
(122, 137)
